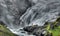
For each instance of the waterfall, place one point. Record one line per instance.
(39, 13)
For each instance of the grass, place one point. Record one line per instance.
(5, 32)
(56, 30)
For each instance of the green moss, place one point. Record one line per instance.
(5, 32)
(56, 25)
(56, 31)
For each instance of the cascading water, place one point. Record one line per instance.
(38, 14)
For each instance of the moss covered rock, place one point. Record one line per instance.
(4, 31)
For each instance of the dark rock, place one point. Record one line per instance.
(30, 28)
(35, 30)
(22, 32)
(58, 19)
(2, 23)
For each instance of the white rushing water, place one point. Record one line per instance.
(38, 14)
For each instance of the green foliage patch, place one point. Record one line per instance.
(4, 31)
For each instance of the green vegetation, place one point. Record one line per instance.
(5, 32)
(55, 27)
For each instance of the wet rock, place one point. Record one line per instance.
(30, 28)
(23, 32)
(37, 30)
